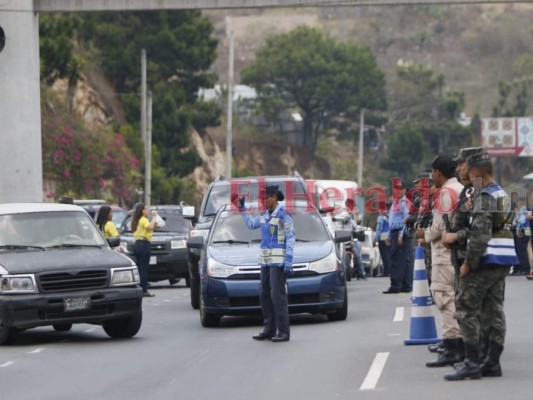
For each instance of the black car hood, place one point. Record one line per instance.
(235, 254)
(57, 259)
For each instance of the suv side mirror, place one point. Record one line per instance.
(114, 241)
(195, 242)
(187, 212)
(342, 236)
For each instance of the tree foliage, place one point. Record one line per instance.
(85, 163)
(180, 49)
(405, 152)
(321, 77)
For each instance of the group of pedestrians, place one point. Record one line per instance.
(472, 248)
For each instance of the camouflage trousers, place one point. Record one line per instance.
(479, 307)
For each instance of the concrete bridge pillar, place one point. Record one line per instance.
(21, 168)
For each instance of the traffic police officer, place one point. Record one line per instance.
(490, 252)
(399, 242)
(276, 253)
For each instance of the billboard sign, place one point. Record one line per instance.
(507, 137)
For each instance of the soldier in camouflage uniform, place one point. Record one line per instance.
(489, 254)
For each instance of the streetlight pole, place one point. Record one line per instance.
(229, 127)
(361, 143)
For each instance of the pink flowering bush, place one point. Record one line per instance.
(86, 164)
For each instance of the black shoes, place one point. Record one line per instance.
(436, 347)
(464, 370)
(148, 294)
(280, 338)
(391, 290)
(262, 336)
(491, 369)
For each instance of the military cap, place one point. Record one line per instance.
(464, 153)
(479, 157)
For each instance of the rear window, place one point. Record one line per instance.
(220, 193)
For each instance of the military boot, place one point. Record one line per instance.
(490, 367)
(465, 370)
(452, 354)
(436, 347)
(469, 368)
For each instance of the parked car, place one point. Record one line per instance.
(230, 274)
(93, 207)
(219, 194)
(169, 250)
(57, 269)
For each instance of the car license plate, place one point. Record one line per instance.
(83, 303)
(153, 260)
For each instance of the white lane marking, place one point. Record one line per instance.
(7, 364)
(90, 330)
(38, 350)
(375, 371)
(398, 315)
(167, 301)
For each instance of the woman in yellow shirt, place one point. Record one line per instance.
(105, 223)
(142, 230)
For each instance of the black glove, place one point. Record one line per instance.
(241, 203)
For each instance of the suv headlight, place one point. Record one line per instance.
(199, 232)
(125, 276)
(326, 264)
(178, 244)
(216, 269)
(10, 284)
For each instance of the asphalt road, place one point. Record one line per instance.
(173, 357)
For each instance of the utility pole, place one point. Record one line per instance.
(361, 144)
(148, 153)
(144, 126)
(229, 127)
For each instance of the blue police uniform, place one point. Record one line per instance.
(382, 233)
(276, 255)
(401, 270)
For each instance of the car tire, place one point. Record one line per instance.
(62, 327)
(188, 281)
(173, 281)
(123, 327)
(348, 265)
(195, 293)
(340, 314)
(208, 320)
(7, 334)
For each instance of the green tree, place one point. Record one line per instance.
(180, 48)
(321, 77)
(405, 152)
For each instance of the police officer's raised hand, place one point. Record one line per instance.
(288, 269)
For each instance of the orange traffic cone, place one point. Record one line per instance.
(423, 326)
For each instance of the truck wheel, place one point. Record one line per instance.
(7, 334)
(123, 327)
(208, 320)
(62, 327)
(195, 293)
(341, 313)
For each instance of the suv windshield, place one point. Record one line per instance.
(220, 192)
(48, 229)
(230, 228)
